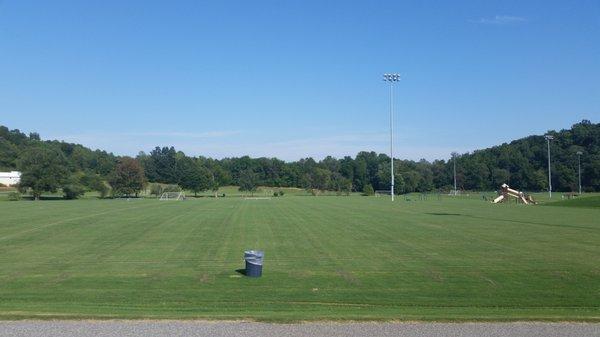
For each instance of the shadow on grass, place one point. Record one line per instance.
(532, 223)
(513, 221)
(241, 271)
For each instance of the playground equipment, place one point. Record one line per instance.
(506, 192)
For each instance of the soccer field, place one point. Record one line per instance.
(325, 258)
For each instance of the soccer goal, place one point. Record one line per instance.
(172, 196)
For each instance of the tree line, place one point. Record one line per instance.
(49, 166)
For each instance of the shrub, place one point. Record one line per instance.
(156, 189)
(14, 196)
(2, 185)
(73, 191)
(93, 182)
(281, 193)
(103, 189)
(368, 190)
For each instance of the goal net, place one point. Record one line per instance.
(172, 196)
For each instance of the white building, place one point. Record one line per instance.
(10, 178)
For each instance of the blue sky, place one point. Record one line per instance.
(293, 79)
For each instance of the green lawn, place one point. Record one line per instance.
(585, 201)
(325, 258)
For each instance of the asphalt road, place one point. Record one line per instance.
(247, 329)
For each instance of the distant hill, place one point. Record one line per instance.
(80, 158)
(521, 163)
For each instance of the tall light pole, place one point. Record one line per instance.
(548, 139)
(391, 78)
(579, 153)
(454, 162)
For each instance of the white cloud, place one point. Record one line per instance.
(130, 143)
(501, 20)
(169, 134)
(318, 147)
(220, 144)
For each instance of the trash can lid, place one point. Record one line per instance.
(254, 256)
(257, 253)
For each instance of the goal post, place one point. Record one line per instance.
(167, 196)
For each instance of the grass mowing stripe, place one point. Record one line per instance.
(67, 220)
(326, 257)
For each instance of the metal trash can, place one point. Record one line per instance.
(254, 262)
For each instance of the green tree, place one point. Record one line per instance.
(368, 190)
(411, 181)
(193, 176)
(337, 182)
(128, 177)
(476, 175)
(523, 161)
(161, 165)
(499, 177)
(320, 178)
(156, 189)
(94, 182)
(346, 186)
(8, 155)
(248, 181)
(73, 190)
(214, 184)
(42, 170)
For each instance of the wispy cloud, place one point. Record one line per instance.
(158, 134)
(501, 20)
(208, 134)
(130, 143)
(316, 146)
(220, 144)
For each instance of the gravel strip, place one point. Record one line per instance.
(247, 329)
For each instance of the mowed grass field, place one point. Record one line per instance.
(334, 258)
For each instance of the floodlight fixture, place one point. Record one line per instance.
(391, 77)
